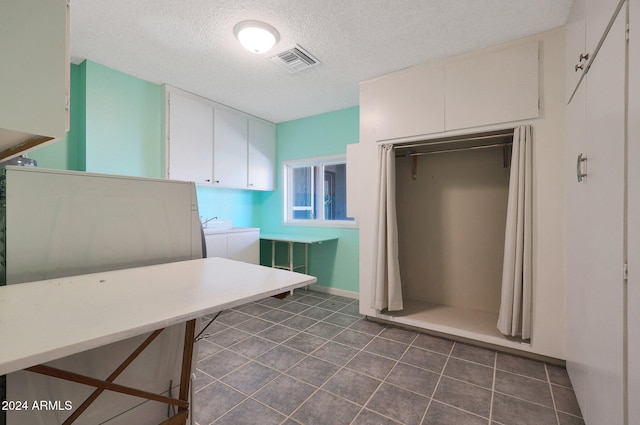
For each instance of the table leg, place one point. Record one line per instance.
(101, 385)
(187, 359)
(273, 254)
(291, 259)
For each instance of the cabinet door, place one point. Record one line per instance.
(576, 49)
(576, 221)
(216, 245)
(604, 284)
(34, 75)
(262, 155)
(406, 103)
(597, 15)
(229, 149)
(190, 137)
(633, 214)
(244, 246)
(492, 88)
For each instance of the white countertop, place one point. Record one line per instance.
(45, 320)
(217, 231)
(283, 237)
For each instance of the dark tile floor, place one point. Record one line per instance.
(311, 359)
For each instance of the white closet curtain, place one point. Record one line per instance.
(387, 291)
(514, 318)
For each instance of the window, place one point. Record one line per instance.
(316, 191)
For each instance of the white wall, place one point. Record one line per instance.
(548, 220)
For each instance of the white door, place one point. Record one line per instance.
(262, 155)
(577, 336)
(229, 149)
(244, 246)
(216, 245)
(604, 285)
(190, 138)
(633, 214)
(575, 45)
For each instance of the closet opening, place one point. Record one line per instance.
(451, 200)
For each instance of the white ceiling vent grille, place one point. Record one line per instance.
(295, 59)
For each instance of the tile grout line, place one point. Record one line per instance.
(382, 381)
(280, 373)
(250, 360)
(493, 386)
(553, 398)
(334, 374)
(435, 387)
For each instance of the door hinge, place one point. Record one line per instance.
(626, 32)
(625, 271)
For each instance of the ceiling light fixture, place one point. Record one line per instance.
(256, 36)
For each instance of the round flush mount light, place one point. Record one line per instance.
(256, 36)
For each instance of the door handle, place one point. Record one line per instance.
(579, 174)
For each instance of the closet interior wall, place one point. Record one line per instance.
(451, 223)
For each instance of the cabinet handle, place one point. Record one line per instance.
(579, 174)
(584, 57)
(216, 181)
(208, 180)
(579, 66)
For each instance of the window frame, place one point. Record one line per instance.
(288, 208)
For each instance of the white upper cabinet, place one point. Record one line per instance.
(576, 57)
(190, 137)
(212, 144)
(488, 88)
(34, 75)
(494, 87)
(229, 149)
(587, 26)
(406, 103)
(261, 154)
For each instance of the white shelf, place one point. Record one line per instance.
(458, 322)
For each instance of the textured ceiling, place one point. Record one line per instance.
(190, 44)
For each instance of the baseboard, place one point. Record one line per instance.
(335, 291)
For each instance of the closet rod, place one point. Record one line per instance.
(506, 133)
(495, 145)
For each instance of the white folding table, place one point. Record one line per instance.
(50, 319)
(291, 240)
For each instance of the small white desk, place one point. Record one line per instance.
(46, 320)
(291, 240)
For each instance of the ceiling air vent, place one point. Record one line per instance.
(295, 59)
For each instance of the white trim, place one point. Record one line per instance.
(347, 224)
(334, 291)
(288, 207)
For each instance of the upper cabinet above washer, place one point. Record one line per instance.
(212, 144)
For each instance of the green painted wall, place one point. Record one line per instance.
(335, 264)
(115, 128)
(133, 147)
(237, 205)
